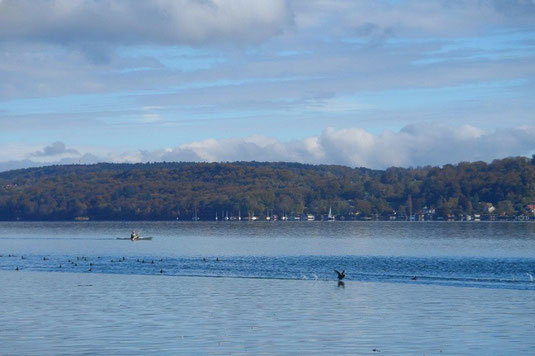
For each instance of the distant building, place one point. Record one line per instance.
(426, 210)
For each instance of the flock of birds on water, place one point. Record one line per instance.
(340, 275)
(83, 259)
(74, 262)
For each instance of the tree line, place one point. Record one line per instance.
(184, 190)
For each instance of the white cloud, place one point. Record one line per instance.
(139, 85)
(414, 145)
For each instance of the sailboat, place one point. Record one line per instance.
(330, 217)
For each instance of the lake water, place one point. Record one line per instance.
(267, 287)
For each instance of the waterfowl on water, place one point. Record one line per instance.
(341, 275)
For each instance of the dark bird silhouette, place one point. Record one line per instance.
(341, 275)
(16, 269)
(161, 271)
(414, 278)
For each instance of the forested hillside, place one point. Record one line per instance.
(164, 191)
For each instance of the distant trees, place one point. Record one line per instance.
(164, 191)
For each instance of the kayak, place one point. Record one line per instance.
(136, 239)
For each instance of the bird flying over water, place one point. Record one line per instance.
(341, 275)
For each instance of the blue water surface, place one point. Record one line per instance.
(490, 255)
(267, 288)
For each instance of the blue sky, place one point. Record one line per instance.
(359, 83)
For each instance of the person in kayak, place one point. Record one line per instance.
(134, 235)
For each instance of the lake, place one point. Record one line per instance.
(267, 287)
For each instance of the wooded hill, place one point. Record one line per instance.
(169, 191)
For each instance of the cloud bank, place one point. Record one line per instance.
(414, 145)
(133, 22)
(198, 22)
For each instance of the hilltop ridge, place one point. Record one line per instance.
(503, 189)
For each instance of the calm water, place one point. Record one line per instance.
(424, 288)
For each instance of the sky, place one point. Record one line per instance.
(359, 83)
